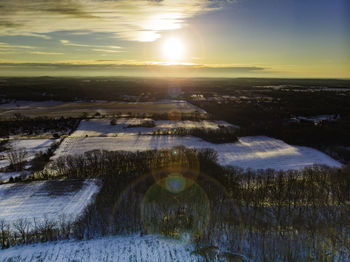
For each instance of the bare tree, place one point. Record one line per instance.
(5, 234)
(17, 158)
(22, 226)
(18, 116)
(48, 230)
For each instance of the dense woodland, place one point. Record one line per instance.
(262, 214)
(25, 126)
(71, 89)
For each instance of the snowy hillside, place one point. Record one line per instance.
(249, 152)
(46, 199)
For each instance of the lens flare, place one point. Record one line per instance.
(175, 183)
(174, 115)
(179, 164)
(183, 216)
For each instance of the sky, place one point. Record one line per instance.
(175, 38)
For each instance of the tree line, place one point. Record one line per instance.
(263, 214)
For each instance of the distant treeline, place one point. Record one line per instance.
(36, 126)
(217, 136)
(70, 89)
(146, 89)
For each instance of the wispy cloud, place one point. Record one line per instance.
(137, 20)
(113, 46)
(45, 53)
(69, 43)
(107, 50)
(98, 48)
(7, 46)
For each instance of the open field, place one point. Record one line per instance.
(249, 152)
(121, 249)
(55, 109)
(46, 199)
(31, 146)
(127, 126)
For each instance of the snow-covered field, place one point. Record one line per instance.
(31, 146)
(23, 104)
(5, 176)
(46, 199)
(27, 104)
(102, 127)
(319, 118)
(258, 152)
(77, 108)
(180, 104)
(120, 248)
(249, 152)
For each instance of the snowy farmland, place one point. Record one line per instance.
(102, 127)
(31, 146)
(46, 199)
(249, 152)
(77, 108)
(121, 249)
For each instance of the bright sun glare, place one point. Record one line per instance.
(173, 49)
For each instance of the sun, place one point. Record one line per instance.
(173, 49)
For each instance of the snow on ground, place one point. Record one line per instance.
(102, 127)
(319, 118)
(191, 124)
(23, 104)
(258, 152)
(5, 176)
(30, 104)
(46, 199)
(32, 146)
(181, 104)
(109, 249)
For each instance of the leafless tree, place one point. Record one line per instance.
(5, 234)
(48, 230)
(22, 226)
(17, 158)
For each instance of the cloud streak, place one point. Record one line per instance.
(69, 43)
(45, 53)
(115, 65)
(7, 46)
(137, 20)
(106, 50)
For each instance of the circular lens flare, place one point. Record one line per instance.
(183, 216)
(174, 115)
(175, 168)
(175, 183)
